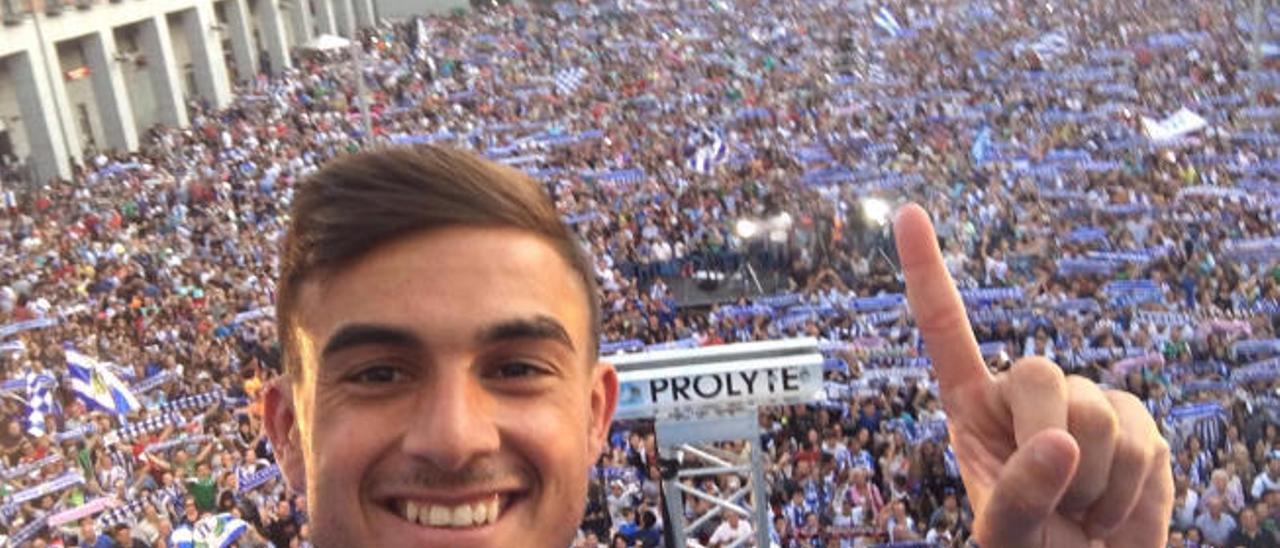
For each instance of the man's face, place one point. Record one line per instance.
(444, 375)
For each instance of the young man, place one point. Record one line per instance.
(440, 333)
(730, 530)
(439, 327)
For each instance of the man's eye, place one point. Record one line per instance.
(515, 370)
(381, 374)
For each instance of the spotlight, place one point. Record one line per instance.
(746, 228)
(876, 211)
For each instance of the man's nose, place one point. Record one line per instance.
(453, 424)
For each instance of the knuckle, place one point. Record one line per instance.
(1134, 454)
(1087, 419)
(1123, 400)
(1036, 371)
(1019, 504)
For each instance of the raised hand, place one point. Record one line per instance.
(1047, 459)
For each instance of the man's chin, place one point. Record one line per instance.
(389, 526)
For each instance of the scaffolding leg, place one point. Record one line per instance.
(759, 494)
(675, 510)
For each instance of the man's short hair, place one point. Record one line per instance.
(357, 203)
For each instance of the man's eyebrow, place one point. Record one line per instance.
(535, 327)
(361, 334)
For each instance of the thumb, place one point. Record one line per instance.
(1027, 493)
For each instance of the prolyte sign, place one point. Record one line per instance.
(652, 392)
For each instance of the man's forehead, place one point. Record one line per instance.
(437, 297)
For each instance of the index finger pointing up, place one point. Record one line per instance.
(936, 305)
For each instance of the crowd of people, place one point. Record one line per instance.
(1102, 175)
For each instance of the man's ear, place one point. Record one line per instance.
(280, 419)
(604, 401)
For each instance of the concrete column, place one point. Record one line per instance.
(242, 49)
(45, 56)
(345, 18)
(45, 138)
(271, 31)
(364, 13)
(206, 54)
(114, 110)
(324, 16)
(62, 101)
(171, 108)
(300, 16)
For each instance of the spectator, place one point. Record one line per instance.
(1216, 525)
(731, 529)
(1250, 534)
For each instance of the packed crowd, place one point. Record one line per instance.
(1088, 218)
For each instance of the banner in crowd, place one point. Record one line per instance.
(682, 344)
(15, 328)
(97, 386)
(196, 402)
(154, 381)
(1207, 386)
(1122, 367)
(249, 482)
(895, 374)
(1101, 354)
(1196, 411)
(878, 302)
(916, 432)
(983, 296)
(75, 433)
(216, 531)
(1256, 347)
(49, 487)
(161, 446)
(1257, 371)
(1178, 125)
(613, 347)
(24, 469)
(153, 423)
(83, 511)
(28, 531)
(263, 312)
(609, 474)
(1165, 319)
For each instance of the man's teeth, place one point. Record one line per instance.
(461, 515)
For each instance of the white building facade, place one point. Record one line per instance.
(80, 74)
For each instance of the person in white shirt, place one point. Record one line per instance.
(620, 496)
(1185, 502)
(940, 534)
(1269, 480)
(730, 530)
